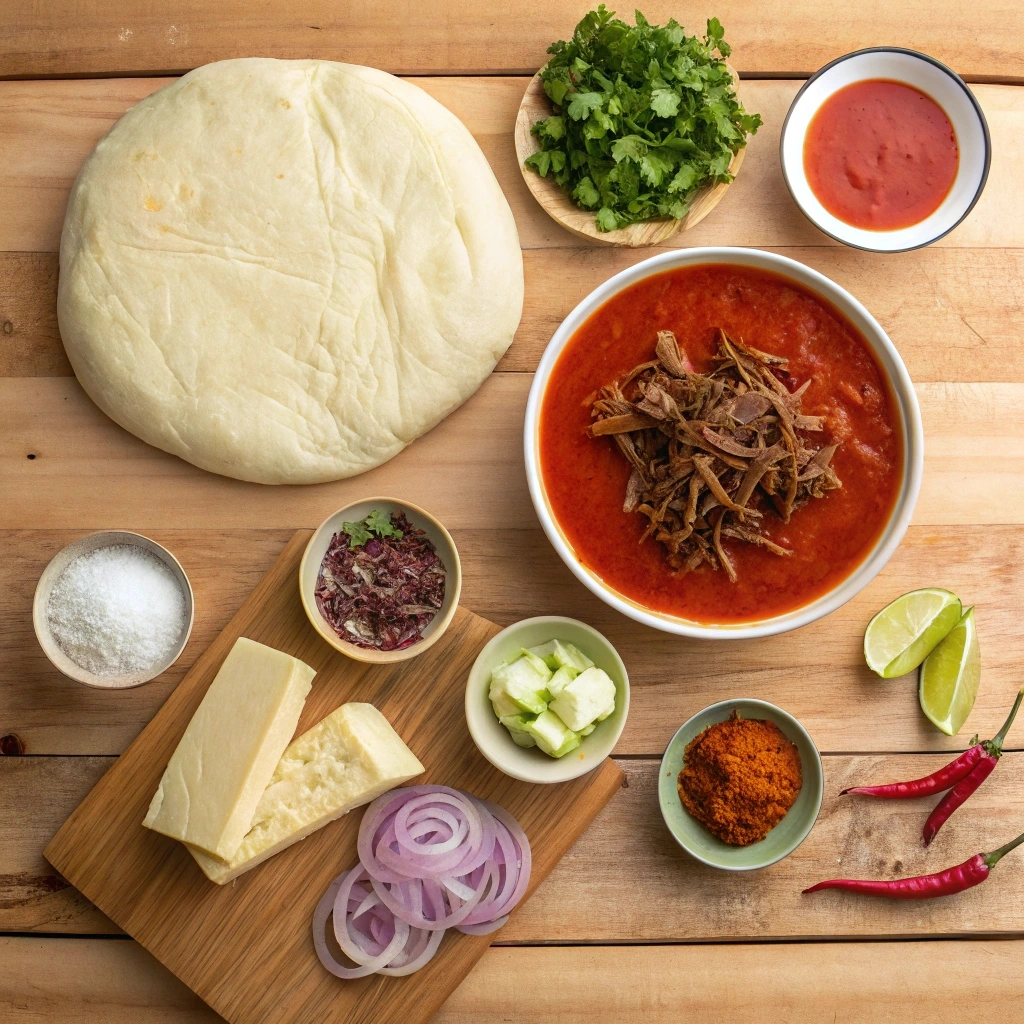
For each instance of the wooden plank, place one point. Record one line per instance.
(36, 795)
(974, 465)
(245, 947)
(48, 128)
(693, 903)
(952, 313)
(91, 981)
(816, 672)
(458, 36)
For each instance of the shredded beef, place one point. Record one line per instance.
(713, 453)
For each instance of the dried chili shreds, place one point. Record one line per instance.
(381, 595)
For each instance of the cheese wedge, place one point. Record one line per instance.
(347, 760)
(217, 774)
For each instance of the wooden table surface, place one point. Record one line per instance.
(626, 928)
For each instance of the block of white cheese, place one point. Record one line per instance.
(217, 774)
(347, 760)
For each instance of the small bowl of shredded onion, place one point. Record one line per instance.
(380, 580)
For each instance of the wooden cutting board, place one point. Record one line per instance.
(246, 948)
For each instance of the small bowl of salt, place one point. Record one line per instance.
(113, 610)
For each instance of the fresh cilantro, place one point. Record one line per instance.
(644, 117)
(358, 532)
(376, 522)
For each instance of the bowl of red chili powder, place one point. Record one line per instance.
(885, 149)
(741, 785)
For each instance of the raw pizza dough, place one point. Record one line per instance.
(285, 271)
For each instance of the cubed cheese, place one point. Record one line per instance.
(217, 774)
(347, 760)
(520, 686)
(588, 698)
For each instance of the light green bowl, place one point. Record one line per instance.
(785, 837)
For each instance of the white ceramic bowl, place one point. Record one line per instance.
(892, 366)
(63, 558)
(921, 72)
(493, 739)
(313, 556)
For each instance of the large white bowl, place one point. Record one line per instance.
(935, 80)
(888, 358)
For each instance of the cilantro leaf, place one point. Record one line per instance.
(380, 523)
(665, 102)
(606, 220)
(377, 522)
(644, 116)
(583, 103)
(358, 532)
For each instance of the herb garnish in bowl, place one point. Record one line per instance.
(381, 582)
(644, 118)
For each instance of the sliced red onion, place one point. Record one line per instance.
(431, 858)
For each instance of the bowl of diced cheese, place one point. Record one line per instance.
(547, 699)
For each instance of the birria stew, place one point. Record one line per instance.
(719, 443)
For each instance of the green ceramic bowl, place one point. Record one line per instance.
(785, 837)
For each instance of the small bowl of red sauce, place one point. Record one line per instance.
(885, 149)
(723, 443)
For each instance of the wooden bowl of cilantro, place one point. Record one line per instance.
(631, 133)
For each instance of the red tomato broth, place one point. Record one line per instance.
(880, 155)
(585, 477)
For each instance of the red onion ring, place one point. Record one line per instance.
(431, 858)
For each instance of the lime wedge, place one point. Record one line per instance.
(905, 632)
(950, 677)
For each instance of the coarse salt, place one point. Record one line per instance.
(117, 610)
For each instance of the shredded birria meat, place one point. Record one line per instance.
(714, 453)
(380, 591)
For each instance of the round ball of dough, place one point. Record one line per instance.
(285, 271)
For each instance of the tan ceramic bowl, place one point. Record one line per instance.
(104, 539)
(317, 547)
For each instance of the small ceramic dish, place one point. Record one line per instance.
(493, 739)
(930, 77)
(317, 547)
(63, 558)
(785, 837)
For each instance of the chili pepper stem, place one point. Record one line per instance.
(997, 740)
(993, 858)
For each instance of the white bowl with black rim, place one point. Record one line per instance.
(892, 368)
(946, 88)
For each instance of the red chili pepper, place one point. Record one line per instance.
(948, 775)
(924, 887)
(993, 750)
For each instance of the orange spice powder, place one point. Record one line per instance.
(739, 779)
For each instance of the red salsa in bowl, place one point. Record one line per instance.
(846, 399)
(880, 155)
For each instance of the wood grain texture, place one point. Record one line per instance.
(458, 36)
(811, 672)
(36, 795)
(47, 129)
(972, 299)
(245, 948)
(670, 897)
(89, 473)
(952, 313)
(68, 981)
